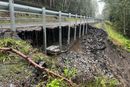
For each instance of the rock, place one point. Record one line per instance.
(91, 60)
(10, 34)
(85, 78)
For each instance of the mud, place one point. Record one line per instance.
(97, 55)
(92, 55)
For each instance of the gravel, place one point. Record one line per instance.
(91, 60)
(97, 55)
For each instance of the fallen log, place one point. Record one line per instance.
(30, 61)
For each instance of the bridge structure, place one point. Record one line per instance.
(79, 21)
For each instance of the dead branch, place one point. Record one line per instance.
(30, 61)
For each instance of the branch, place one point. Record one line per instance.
(29, 60)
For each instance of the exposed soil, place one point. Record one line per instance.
(94, 54)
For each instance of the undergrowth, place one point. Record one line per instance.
(68, 73)
(117, 38)
(20, 45)
(14, 69)
(103, 82)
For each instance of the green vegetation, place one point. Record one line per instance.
(21, 46)
(14, 68)
(117, 38)
(71, 19)
(118, 12)
(69, 73)
(27, 18)
(103, 82)
(80, 7)
(56, 83)
(100, 81)
(16, 44)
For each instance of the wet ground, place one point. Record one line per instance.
(95, 54)
(92, 55)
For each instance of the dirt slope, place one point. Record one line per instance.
(96, 55)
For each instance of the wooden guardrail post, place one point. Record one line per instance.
(80, 26)
(12, 15)
(75, 31)
(68, 42)
(44, 29)
(60, 31)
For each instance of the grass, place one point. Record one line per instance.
(98, 25)
(71, 19)
(21, 46)
(116, 37)
(14, 68)
(28, 18)
(103, 82)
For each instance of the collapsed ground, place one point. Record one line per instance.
(98, 56)
(94, 55)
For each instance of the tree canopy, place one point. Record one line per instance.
(84, 7)
(118, 12)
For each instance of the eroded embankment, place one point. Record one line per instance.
(95, 55)
(92, 55)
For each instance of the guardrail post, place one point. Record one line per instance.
(75, 28)
(60, 31)
(69, 29)
(83, 25)
(86, 26)
(44, 29)
(12, 15)
(80, 26)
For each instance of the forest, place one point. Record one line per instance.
(118, 12)
(84, 7)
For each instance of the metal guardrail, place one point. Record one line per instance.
(12, 8)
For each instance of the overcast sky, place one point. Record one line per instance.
(100, 6)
